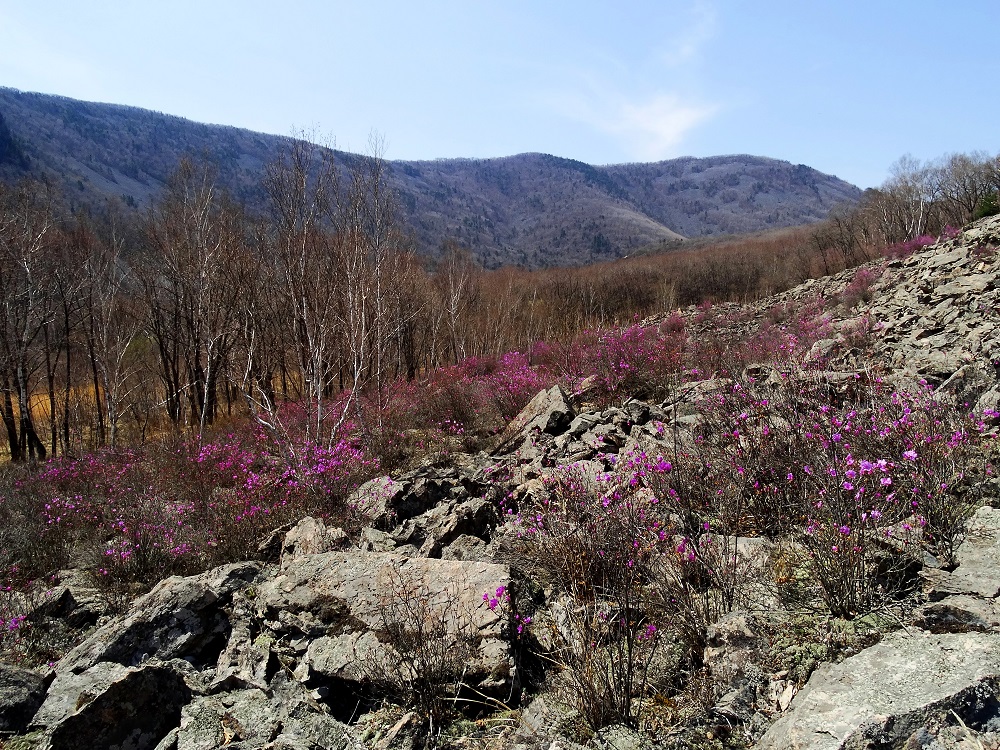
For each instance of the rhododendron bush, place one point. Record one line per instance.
(861, 477)
(135, 516)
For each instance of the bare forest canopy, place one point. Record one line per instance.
(119, 324)
(530, 210)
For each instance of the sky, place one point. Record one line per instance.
(845, 87)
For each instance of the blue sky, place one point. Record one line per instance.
(845, 87)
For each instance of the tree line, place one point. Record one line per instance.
(120, 325)
(918, 199)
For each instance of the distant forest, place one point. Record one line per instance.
(530, 210)
(119, 323)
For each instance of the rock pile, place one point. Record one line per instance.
(289, 651)
(268, 656)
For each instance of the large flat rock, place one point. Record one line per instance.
(881, 696)
(345, 603)
(978, 557)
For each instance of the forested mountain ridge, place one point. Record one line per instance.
(533, 210)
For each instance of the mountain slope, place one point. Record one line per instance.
(532, 209)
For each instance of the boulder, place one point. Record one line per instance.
(21, 693)
(179, 618)
(349, 604)
(549, 412)
(432, 531)
(387, 502)
(466, 547)
(378, 500)
(978, 558)
(310, 536)
(112, 706)
(74, 600)
(284, 716)
(889, 693)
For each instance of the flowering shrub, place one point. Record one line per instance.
(598, 541)
(860, 287)
(909, 247)
(866, 472)
(136, 516)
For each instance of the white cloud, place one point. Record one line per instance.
(647, 101)
(685, 46)
(649, 128)
(655, 128)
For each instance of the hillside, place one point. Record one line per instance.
(533, 210)
(790, 539)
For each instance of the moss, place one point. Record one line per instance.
(31, 741)
(806, 640)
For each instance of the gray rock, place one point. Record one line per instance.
(971, 284)
(378, 500)
(353, 593)
(546, 720)
(112, 706)
(732, 655)
(179, 618)
(246, 661)
(622, 737)
(958, 614)
(606, 438)
(310, 536)
(883, 695)
(432, 531)
(21, 693)
(549, 412)
(978, 557)
(466, 547)
(285, 717)
(347, 656)
(74, 600)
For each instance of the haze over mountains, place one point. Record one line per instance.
(532, 210)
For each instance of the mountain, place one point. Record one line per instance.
(533, 210)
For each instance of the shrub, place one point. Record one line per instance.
(861, 474)
(909, 247)
(424, 652)
(134, 517)
(987, 206)
(860, 288)
(598, 542)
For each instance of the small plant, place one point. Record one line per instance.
(987, 206)
(598, 540)
(860, 288)
(425, 652)
(905, 249)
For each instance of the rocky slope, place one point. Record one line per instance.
(301, 648)
(533, 210)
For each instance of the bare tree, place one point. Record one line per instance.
(194, 240)
(962, 182)
(302, 185)
(373, 261)
(458, 289)
(111, 299)
(27, 226)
